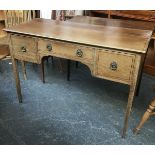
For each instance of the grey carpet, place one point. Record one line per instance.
(85, 110)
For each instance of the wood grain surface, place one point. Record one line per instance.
(135, 40)
(114, 22)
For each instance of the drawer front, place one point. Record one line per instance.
(46, 47)
(66, 50)
(24, 48)
(115, 65)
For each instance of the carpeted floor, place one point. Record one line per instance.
(85, 110)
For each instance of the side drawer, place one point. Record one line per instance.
(115, 65)
(65, 50)
(24, 48)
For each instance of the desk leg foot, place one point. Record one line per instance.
(17, 80)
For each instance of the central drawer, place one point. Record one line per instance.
(24, 48)
(65, 50)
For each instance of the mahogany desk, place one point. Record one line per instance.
(112, 53)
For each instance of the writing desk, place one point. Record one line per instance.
(112, 53)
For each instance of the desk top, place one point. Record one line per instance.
(135, 40)
(114, 22)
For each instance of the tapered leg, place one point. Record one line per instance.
(145, 117)
(42, 71)
(68, 70)
(134, 80)
(24, 70)
(128, 109)
(17, 80)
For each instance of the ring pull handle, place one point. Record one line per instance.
(49, 47)
(23, 49)
(113, 66)
(79, 53)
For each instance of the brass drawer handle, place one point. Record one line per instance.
(113, 66)
(23, 49)
(49, 47)
(79, 53)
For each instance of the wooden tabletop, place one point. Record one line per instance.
(114, 22)
(130, 39)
